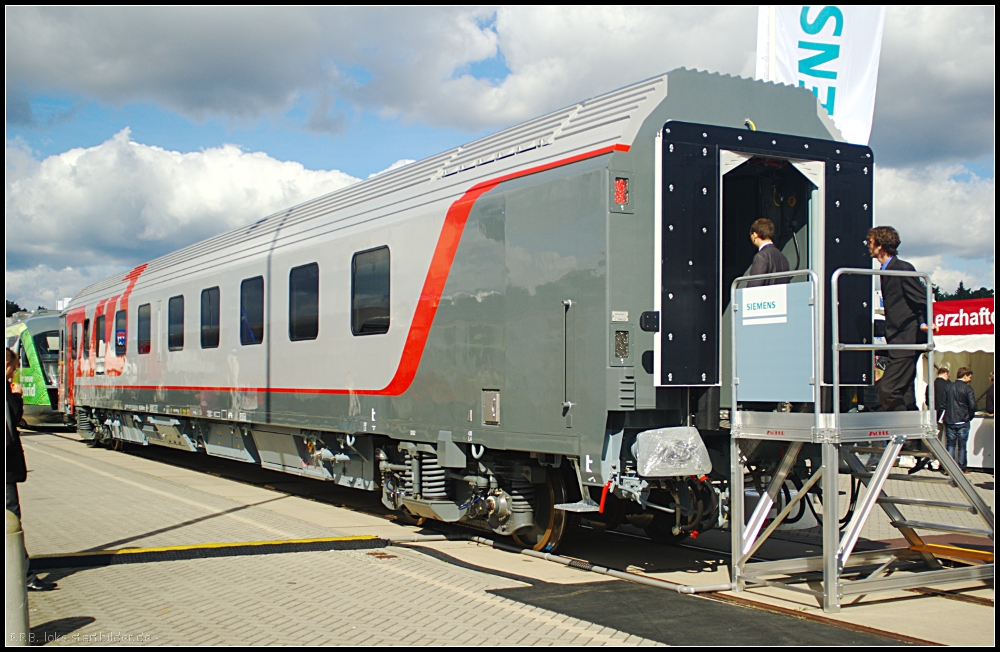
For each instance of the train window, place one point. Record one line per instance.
(25, 362)
(121, 332)
(101, 336)
(75, 339)
(303, 302)
(175, 323)
(370, 292)
(47, 343)
(85, 349)
(252, 310)
(142, 326)
(210, 318)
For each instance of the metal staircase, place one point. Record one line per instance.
(844, 571)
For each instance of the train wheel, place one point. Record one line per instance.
(406, 516)
(550, 524)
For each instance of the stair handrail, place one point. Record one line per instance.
(839, 347)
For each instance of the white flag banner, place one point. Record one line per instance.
(832, 51)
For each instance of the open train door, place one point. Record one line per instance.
(711, 183)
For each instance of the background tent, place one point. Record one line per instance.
(966, 339)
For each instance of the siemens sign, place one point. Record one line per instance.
(767, 304)
(826, 52)
(830, 50)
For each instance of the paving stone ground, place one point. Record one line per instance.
(79, 499)
(75, 501)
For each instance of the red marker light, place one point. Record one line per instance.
(621, 190)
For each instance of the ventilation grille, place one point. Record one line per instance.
(621, 344)
(626, 393)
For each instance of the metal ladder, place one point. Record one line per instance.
(972, 502)
(842, 438)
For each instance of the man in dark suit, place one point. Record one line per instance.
(905, 303)
(768, 258)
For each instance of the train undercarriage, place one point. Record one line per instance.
(535, 498)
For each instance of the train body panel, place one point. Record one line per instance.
(35, 340)
(462, 333)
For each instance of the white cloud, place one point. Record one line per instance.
(935, 95)
(44, 285)
(936, 84)
(946, 218)
(398, 164)
(559, 55)
(121, 203)
(935, 212)
(947, 277)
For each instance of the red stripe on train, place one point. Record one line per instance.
(430, 294)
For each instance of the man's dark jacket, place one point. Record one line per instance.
(905, 303)
(961, 403)
(17, 470)
(940, 396)
(767, 261)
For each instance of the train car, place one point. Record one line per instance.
(517, 330)
(34, 337)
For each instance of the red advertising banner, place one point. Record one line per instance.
(964, 317)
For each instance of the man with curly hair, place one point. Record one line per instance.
(905, 302)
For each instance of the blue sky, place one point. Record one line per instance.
(367, 144)
(315, 98)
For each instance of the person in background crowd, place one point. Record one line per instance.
(905, 302)
(961, 408)
(17, 470)
(941, 385)
(768, 258)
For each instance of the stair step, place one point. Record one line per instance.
(905, 477)
(924, 502)
(879, 451)
(940, 527)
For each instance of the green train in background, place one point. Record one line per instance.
(34, 337)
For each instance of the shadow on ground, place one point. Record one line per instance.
(54, 630)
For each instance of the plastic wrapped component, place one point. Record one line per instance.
(668, 452)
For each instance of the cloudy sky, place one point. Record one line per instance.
(132, 132)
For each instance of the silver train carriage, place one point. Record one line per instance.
(510, 333)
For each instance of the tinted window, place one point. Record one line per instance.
(101, 336)
(121, 332)
(252, 310)
(370, 292)
(25, 363)
(142, 326)
(175, 323)
(303, 303)
(86, 338)
(75, 339)
(210, 318)
(47, 343)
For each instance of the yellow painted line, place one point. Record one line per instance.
(952, 551)
(204, 546)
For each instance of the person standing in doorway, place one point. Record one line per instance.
(768, 258)
(905, 302)
(961, 408)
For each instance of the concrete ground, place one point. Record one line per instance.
(451, 592)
